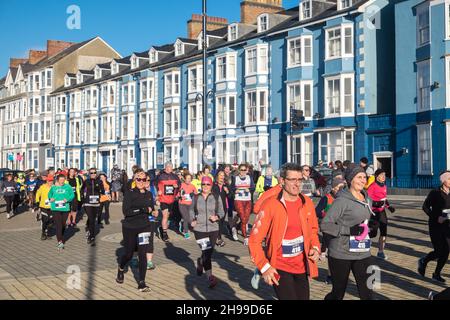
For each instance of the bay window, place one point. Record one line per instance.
(256, 60)
(226, 67)
(339, 42)
(336, 145)
(195, 79)
(195, 113)
(300, 97)
(339, 95)
(256, 105)
(172, 84)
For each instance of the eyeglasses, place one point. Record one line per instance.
(243, 170)
(206, 184)
(141, 180)
(294, 180)
(92, 172)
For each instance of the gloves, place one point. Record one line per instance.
(356, 230)
(391, 209)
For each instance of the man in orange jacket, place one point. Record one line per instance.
(288, 223)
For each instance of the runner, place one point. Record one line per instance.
(242, 187)
(187, 193)
(168, 185)
(221, 190)
(105, 200)
(60, 196)
(136, 228)
(75, 182)
(308, 184)
(378, 193)
(437, 208)
(266, 182)
(291, 232)
(321, 211)
(92, 190)
(9, 187)
(153, 221)
(346, 224)
(116, 178)
(43, 204)
(31, 188)
(206, 212)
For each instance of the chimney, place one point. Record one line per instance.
(195, 25)
(15, 62)
(35, 56)
(251, 9)
(55, 46)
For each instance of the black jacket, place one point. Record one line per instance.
(136, 210)
(222, 194)
(91, 190)
(436, 201)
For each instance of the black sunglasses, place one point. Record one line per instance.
(92, 172)
(141, 180)
(206, 184)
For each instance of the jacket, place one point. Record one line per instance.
(31, 185)
(42, 196)
(61, 193)
(92, 190)
(168, 185)
(261, 187)
(9, 188)
(76, 184)
(202, 209)
(378, 194)
(345, 213)
(271, 224)
(437, 201)
(220, 191)
(136, 208)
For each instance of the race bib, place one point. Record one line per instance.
(31, 187)
(204, 244)
(360, 246)
(243, 195)
(94, 199)
(169, 190)
(144, 238)
(187, 197)
(60, 204)
(10, 189)
(292, 248)
(107, 193)
(47, 202)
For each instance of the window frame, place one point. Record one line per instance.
(343, 146)
(260, 68)
(341, 77)
(258, 106)
(303, 9)
(420, 107)
(343, 54)
(261, 23)
(425, 10)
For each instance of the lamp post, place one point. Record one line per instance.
(205, 88)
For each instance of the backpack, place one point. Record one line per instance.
(216, 196)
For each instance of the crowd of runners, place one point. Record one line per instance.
(303, 214)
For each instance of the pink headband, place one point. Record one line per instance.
(444, 177)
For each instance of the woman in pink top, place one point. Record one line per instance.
(187, 192)
(378, 193)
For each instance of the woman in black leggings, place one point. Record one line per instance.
(136, 228)
(437, 208)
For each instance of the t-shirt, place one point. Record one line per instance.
(291, 256)
(187, 192)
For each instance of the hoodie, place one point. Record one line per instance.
(345, 212)
(9, 188)
(61, 193)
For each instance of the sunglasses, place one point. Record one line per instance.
(206, 184)
(243, 170)
(141, 180)
(92, 172)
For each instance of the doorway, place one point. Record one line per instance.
(384, 160)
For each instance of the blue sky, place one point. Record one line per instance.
(127, 26)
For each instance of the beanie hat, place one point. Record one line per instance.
(351, 171)
(378, 172)
(337, 181)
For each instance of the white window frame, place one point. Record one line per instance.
(343, 53)
(175, 86)
(420, 97)
(174, 125)
(153, 55)
(233, 32)
(230, 122)
(198, 120)
(134, 62)
(302, 152)
(179, 48)
(230, 67)
(263, 23)
(300, 105)
(425, 10)
(344, 4)
(344, 146)
(258, 92)
(260, 67)
(302, 62)
(198, 80)
(427, 127)
(305, 7)
(341, 78)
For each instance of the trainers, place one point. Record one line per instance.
(199, 267)
(107, 223)
(220, 243)
(150, 265)
(255, 279)
(328, 280)
(120, 276)
(431, 295)
(60, 246)
(382, 256)
(246, 242)
(421, 267)
(187, 235)
(212, 282)
(437, 277)
(142, 287)
(165, 236)
(43, 237)
(235, 235)
(8, 216)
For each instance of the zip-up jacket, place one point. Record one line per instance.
(136, 210)
(202, 209)
(31, 185)
(92, 190)
(271, 224)
(9, 188)
(378, 194)
(61, 193)
(42, 196)
(436, 202)
(168, 184)
(262, 185)
(76, 184)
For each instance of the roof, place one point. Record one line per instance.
(218, 33)
(13, 72)
(125, 60)
(186, 40)
(86, 71)
(105, 65)
(72, 75)
(164, 48)
(2, 81)
(143, 54)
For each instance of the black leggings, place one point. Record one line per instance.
(46, 219)
(444, 295)
(92, 213)
(440, 245)
(11, 204)
(106, 206)
(60, 221)
(130, 240)
(292, 286)
(340, 272)
(207, 254)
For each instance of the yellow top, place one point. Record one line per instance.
(42, 196)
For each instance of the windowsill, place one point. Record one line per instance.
(265, 73)
(225, 80)
(300, 66)
(340, 57)
(422, 45)
(333, 116)
(425, 174)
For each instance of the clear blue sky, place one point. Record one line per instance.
(128, 26)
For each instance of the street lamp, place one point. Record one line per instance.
(205, 88)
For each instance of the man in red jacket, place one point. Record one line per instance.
(168, 185)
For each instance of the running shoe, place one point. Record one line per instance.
(91, 242)
(246, 242)
(142, 287)
(235, 235)
(220, 243)
(120, 276)
(421, 267)
(255, 279)
(382, 256)
(165, 236)
(8, 216)
(187, 235)
(107, 222)
(431, 295)
(437, 277)
(150, 265)
(60, 246)
(199, 267)
(212, 282)
(43, 237)
(328, 280)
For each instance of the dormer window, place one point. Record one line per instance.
(97, 73)
(344, 4)
(134, 62)
(114, 68)
(263, 23)
(200, 41)
(179, 48)
(79, 78)
(232, 32)
(67, 81)
(305, 10)
(153, 56)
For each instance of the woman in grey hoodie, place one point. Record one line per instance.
(205, 212)
(9, 188)
(346, 223)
